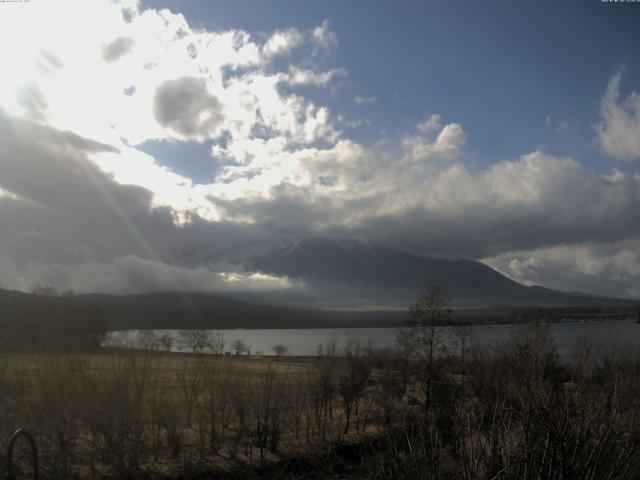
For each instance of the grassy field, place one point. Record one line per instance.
(414, 412)
(149, 412)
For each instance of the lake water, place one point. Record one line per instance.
(601, 334)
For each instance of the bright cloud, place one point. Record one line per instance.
(132, 274)
(282, 42)
(430, 124)
(619, 128)
(578, 268)
(324, 37)
(447, 144)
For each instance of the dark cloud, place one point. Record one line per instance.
(185, 106)
(86, 145)
(117, 49)
(68, 224)
(133, 274)
(534, 202)
(67, 200)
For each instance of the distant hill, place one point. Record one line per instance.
(179, 310)
(172, 310)
(44, 322)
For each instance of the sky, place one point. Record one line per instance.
(137, 134)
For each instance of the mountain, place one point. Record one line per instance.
(347, 283)
(354, 268)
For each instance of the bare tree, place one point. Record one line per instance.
(353, 378)
(280, 350)
(239, 346)
(147, 340)
(195, 340)
(422, 341)
(217, 343)
(166, 341)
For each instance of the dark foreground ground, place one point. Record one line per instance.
(412, 413)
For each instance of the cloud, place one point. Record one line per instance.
(360, 100)
(117, 49)
(68, 209)
(430, 124)
(324, 37)
(535, 201)
(79, 198)
(185, 106)
(532, 202)
(136, 89)
(606, 269)
(447, 144)
(282, 42)
(132, 274)
(285, 42)
(619, 127)
(298, 76)
(72, 226)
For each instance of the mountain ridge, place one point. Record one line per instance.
(341, 266)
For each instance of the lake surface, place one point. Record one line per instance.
(602, 335)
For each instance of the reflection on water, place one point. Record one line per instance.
(601, 335)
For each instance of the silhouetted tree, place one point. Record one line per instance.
(239, 346)
(195, 340)
(422, 340)
(280, 350)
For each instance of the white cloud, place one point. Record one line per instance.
(299, 76)
(447, 145)
(72, 87)
(608, 268)
(135, 95)
(619, 127)
(360, 100)
(324, 37)
(282, 42)
(433, 208)
(430, 124)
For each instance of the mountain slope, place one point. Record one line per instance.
(360, 265)
(177, 310)
(198, 310)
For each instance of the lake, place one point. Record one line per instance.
(600, 334)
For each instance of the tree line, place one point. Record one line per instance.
(47, 322)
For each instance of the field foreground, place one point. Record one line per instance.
(515, 412)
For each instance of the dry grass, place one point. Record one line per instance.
(148, 412)
(514, 413)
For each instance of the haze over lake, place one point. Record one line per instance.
(603, 335)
